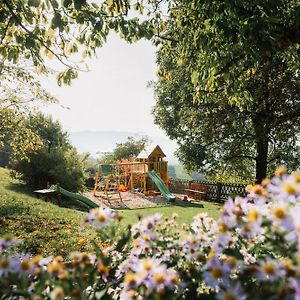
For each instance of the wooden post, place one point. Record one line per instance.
(145, 178)
(131, 180)
(219, 187)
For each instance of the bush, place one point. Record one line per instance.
(55, 162)
(251, 252)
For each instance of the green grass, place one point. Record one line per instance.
(185, 212)
(49, 229)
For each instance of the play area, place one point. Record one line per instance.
(141, 182)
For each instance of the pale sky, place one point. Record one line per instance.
(114, 94)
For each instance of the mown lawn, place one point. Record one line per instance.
(50, 229)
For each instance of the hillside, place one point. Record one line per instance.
(44, 227)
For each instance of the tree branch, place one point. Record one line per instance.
(36, 37)
(240, 156)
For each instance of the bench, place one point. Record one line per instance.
(197, 191)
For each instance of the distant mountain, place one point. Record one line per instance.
(105, 141)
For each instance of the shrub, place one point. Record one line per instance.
(55, 162)
(251, 252)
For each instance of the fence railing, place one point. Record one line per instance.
(217, 191)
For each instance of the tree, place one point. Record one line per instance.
(56, 161)
(222, 43)
(215, 62)
(38, 30)
(217, 137)
(126, 150)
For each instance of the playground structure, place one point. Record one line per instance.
(147, 173)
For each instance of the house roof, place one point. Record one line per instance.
(151, 151)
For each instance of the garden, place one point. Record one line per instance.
(226, 90)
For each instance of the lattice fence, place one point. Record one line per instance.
(218, 191)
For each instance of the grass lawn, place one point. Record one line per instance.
(49, 229)
(185, 212)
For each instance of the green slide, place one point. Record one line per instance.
(84, 200)
(161, 186)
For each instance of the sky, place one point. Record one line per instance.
(113, 95)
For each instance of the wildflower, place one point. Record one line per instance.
(100, 217)
(103, 270)
(234, 293)
(269, 269)
(57, 293)
(5, 265)
(8, 242)
(128, 295)
(216, 273)
(81, 241)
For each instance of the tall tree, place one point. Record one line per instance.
(228, 74)
(215, 136)
(221, 43)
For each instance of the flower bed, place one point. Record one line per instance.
(251, 252)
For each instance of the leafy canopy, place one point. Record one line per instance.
(39, 30)
(223, 43)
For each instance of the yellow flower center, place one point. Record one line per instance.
(217, 273)
(159, 278)
(193, 241)
(4, 264)
(132, 294)
(280, 171)
(147, 265)
(297, 177)
(129, 279)
(269, 268)
(279, 212)
(25, 265)
(228, 296)
(290, 189)
(257, 189)
(101, 218)
(175, 280)
(253, 215)
(146, 237)
(102, 269)
(222, 228)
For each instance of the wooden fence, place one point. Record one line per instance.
(218, 191)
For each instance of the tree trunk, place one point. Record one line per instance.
(262, 141)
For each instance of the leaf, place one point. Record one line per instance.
(66, 3)
(123, 241)
(79, 3)
(195, 77)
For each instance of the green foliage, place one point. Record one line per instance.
(217, 137)
(40, 30)
(15, 137)
(223, 43)
(55, 162)
(126, 150)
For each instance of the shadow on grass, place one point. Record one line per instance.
(63, 202)
(14, 209)
(19, 188)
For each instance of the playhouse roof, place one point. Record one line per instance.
(151, 151)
